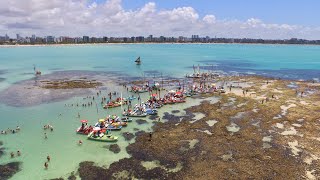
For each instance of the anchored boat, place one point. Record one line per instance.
(102, 137)
(138, 61)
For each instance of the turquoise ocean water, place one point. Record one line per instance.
(16, 64)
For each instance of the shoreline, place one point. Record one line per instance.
(152, 43)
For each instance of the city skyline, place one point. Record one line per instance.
(247, 19)
(34, 40)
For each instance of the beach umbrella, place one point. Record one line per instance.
(154, 95)
(172, 91)
(84, 121)
(101, 120)
(178, 93)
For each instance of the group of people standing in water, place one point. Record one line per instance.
(46, 164)
(13, 131)
(47, 127)
(12, 154)
(91, 99)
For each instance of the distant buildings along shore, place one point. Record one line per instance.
(6, 40)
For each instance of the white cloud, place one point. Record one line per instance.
(210, 19)
(78, 17)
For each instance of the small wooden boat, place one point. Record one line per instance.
(169, 102)
(196, 73)
(113, 128)
(151, 111)
(179, 101)
(119, 123)
(195, 76)
(137, 115)
(126, 119)
(102, 137)
(111, 105)
(84, 131)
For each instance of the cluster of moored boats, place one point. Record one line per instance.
(101, 131)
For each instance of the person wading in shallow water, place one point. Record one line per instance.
(150, 136)
(46, 165)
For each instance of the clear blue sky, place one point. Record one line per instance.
(299, 12)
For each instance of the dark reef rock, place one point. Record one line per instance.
(139, 133)
(141, 121)
(154, 117)
(8, 170)
(87, 170)
(175, 111)
(115, 148)
(171, 117)
(72, 176)
(1, 149)
(128, 136)
(130, 166)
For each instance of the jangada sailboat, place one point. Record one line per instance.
(138, 61)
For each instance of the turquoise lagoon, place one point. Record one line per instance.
(175, 60)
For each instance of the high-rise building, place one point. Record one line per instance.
(140, 39)
(18, 37)
(133, 39)
(86, 39)
(33, 38)
(150, 38)
(7, 37)
(162, 39)
(2, 39)
(50, 39)
(195, 38)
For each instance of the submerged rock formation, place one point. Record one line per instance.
(8, 170)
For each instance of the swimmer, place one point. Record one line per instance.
(45, 136)
(48, 158)
(18, 153)
(46, 165)
(18, 128)
(80, 142)
(12, 155)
